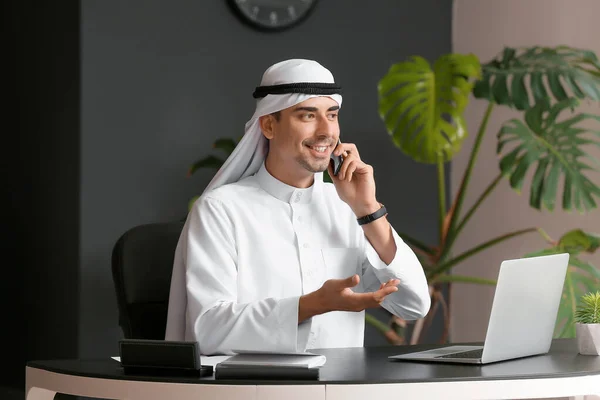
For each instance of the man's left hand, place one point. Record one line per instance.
(355, 183)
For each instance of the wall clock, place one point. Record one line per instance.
(272, 15)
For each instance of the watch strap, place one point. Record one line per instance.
(373, 216)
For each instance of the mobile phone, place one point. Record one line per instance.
(336, 162)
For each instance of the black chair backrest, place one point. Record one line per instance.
(142, 263)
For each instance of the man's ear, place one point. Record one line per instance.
(266, 126)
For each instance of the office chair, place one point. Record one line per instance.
(142, 262)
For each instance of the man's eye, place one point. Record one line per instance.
(333, 116)
(308, 116)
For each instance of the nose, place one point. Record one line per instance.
(327, 127)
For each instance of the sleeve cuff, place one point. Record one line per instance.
(303, 332)
(393, 269)
(292, 337)
(413, 300)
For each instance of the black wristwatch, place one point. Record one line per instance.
(372, 217)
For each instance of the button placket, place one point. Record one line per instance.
(304, 259)
(304, 246)
(300, 226)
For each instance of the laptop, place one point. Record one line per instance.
(523, 316)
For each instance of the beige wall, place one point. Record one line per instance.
(483, 27)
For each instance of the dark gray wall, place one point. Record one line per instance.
(161, 80)
(39, 288)
(111, 102)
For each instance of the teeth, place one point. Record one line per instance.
(320, 149)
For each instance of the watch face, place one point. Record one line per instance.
(272, 14)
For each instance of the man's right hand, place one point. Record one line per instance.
(337, 295)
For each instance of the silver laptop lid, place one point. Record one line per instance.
(525, 307)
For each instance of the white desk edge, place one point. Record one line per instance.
(43, 385)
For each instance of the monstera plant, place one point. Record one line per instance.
(422, 108)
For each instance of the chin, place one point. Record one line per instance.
(314, 167)
(323, 168)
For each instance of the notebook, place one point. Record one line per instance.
(268, 365)
(271, 359)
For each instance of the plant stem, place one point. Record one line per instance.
(480, 200)
(377, 324)
(441, 196)
(450, 263)
(423, 324)
(416, 243)
(568, 328)
(545, 236)
(464, 279)
(446, 330)
(418, 328)
(460, 196)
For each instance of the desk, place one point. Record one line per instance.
(351, 373)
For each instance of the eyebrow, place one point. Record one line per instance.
(315, 109)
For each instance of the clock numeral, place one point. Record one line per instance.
(292, 11)
(273, 17)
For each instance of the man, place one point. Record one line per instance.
(271, 258)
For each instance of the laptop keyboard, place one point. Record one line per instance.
(464, 354)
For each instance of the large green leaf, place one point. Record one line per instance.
(577, 241)
(422, 107)
(556, 149)
(582, 276)
(517, 76)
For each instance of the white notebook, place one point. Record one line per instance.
(268, 359)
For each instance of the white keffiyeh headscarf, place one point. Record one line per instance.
(283, 85)
(249, 154)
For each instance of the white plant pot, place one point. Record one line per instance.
(588, 338)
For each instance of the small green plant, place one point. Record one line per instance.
(588, 311)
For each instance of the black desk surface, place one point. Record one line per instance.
(370, 365)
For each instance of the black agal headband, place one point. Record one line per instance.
(300, 87)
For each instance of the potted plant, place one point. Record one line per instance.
(422, 107)
(587, 317)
